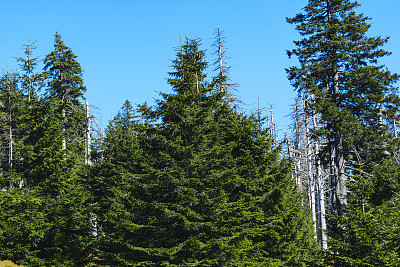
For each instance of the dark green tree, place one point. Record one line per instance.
(47, 223)
(338, 65)
(23, 226)
(208, 190)
(356, 100)
(56, 172)
(31, 81)
(61, 119)
(65, 84)
(121, 146)
(111, 182)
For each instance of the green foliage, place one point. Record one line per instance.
(338, 66)
(194, 183)
(356, 101)
(47, 222)
(31, 82)
(63, 73)
(367, 234)
(11, 112)
(65, 85)
(23, 227)
(38, 230)
(191, 181)
(367, 238)
(68, 238)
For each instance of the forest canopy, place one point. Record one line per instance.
(193, 180)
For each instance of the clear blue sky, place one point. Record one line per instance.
(125, 47)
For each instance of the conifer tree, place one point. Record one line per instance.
(121, 139)
(338, 66)
(208, 189)
(57, 172)
(111, 182)
(65, 84)
(31, 82)
(59, 118)
(354, 97)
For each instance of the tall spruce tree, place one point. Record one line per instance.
(58, 167)
(31, 82)
(65, 84)
(354, 98)
(209, 190)
(111, 184)
(20, 117)
(338, 66)
(59, 134)
(23, 223)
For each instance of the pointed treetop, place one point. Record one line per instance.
(64, 73)
(189, 67)
(222, 80)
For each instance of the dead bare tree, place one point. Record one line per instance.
(222, 81)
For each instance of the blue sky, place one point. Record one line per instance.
(125, 47)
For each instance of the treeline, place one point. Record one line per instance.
(188, 182)
(192, 181)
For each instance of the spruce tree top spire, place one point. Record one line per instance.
(335, 37)
(64, 73)
(30, 80)
(65, 86)
(188, 83)
(189, 68)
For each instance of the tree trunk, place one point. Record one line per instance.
(88, 136)
(64, 143)
(310, 174)
(320, 191)
(339, 161)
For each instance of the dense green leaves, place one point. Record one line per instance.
(23, 227)
(356, 102)
(47, 221)
(193, 182)
(64, 73)
(370, 236)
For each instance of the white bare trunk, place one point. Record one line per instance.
(64, 143)
(272, 127)
(310, 174)
(297, 147)
(88, 135)
(10, 153)
(321, 211)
